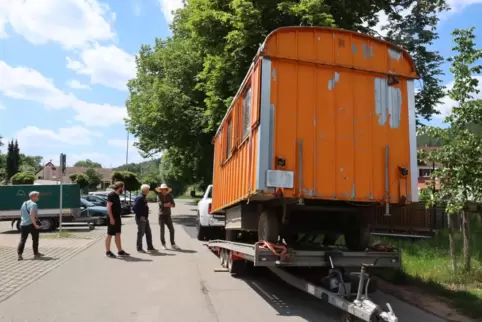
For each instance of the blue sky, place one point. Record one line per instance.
(64, 65)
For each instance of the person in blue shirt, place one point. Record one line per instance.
(29, 225)
(141, 209)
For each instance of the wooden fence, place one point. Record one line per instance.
(414, 219)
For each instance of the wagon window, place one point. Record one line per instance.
(228, 138)
(246, 112)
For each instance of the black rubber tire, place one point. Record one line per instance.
(46, 224)
(202, 233)
(357, 239)
(235, 267)
(357, 234)
(329, 239)
(268, 227)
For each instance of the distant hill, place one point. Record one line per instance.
(425, 140)
(141, 168)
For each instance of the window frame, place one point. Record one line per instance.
(246, 127)
(229, 138)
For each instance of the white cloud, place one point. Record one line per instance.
(106, 65)
(456, 6)
(447, 103)
(134, 155)
(168, 6)
(73, 83)
(459, 5)
(28, 84)
(137, 10)
(71, 23)
(32, 136)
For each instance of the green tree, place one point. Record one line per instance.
(460, 171)
(94, 178)
(13, 159)
(87, 164)
(23, 178)
(34, 163)
(416, 32)
(171, 175)
(192, 77)
(81, 179)
(131, 182)
(153, 179)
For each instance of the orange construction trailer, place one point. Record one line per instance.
(320, 134)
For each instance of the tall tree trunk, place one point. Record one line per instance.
(451, 242)
(465, 232)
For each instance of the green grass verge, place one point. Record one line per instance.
(427, 264)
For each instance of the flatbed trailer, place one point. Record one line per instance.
(345, 290)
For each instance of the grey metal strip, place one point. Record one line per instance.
(265, 129)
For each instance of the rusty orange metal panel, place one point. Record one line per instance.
(337, 47)
(336, 106)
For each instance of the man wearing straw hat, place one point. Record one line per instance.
(166, 202)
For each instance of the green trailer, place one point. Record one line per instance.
(12, 198)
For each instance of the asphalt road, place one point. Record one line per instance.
(172, 286)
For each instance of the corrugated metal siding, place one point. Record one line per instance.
(235, 177)
(333, 116)
(332, 123)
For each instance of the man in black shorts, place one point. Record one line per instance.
(114, 225)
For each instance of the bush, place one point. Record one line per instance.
(151, 196)
(23, 178)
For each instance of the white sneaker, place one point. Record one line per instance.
(175, 247)
(164, 247)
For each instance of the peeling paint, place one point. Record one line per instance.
(333, 81)
(273, 74)
(368, 51)
(388, 102)
(395, 53)
(353, 49)
(370, 196)
(341, 169)
(353, 191)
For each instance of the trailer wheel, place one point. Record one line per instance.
(234, 266)
(268, 227)
(224, 258)
(357, 233)
(46, 224)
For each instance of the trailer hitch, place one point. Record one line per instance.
(362, 300)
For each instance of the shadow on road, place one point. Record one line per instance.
(185, 220)
(187, 251)
(134, 259)
(160, 254)
(287, 300)
(44, 258)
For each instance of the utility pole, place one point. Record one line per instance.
(127, 162)
(63, 164)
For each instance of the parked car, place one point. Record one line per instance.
(208, 225)
(90, 209)
(100, 200)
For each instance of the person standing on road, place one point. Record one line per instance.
(29, 225)
(166, 202)
(114, 225)
(141, 209)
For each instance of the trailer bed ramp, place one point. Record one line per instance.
(338, 291)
